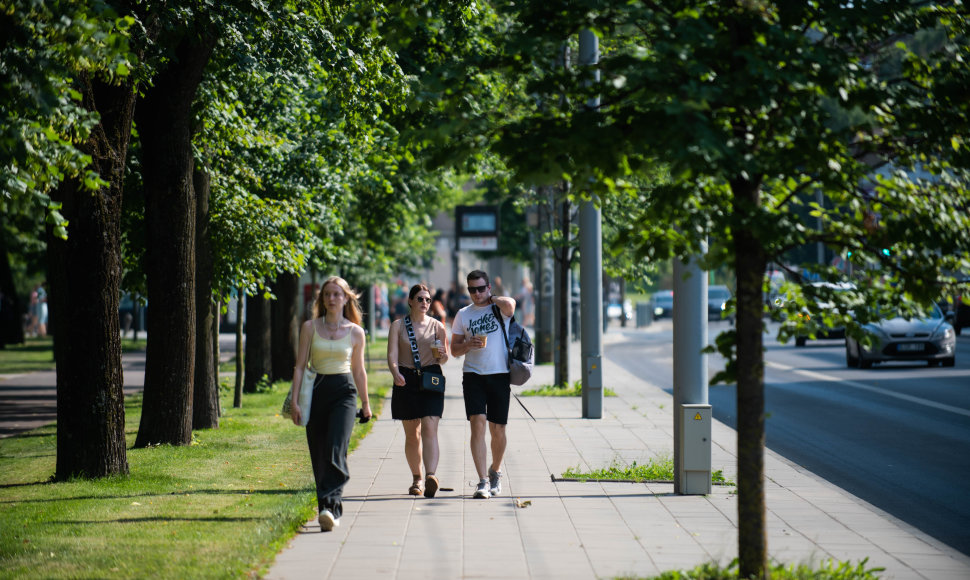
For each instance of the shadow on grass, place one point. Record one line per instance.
(155, 519)
(241, 492)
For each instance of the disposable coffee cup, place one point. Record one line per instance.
(436, 349)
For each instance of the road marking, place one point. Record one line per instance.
(871, 389)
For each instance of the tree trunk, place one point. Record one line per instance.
(165, 122)
(563, 257)
(240, 360)
(205, 399)
(285, 326)
(259, 361)
(216, 331)
(11, 326)
(750, 267)
(85, 287)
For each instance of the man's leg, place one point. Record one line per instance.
(499, 442)
(477, 425)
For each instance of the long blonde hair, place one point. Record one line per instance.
(352, 311)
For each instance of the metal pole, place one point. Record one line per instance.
(690, 337)
(591, 267)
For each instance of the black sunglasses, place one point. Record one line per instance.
(477, 289)
(423, 299)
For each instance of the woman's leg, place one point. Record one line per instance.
(412, 452)
(429, 440)
(334, 409)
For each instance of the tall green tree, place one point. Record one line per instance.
(753, 107)
(68, 104)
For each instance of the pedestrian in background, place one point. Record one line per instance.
(437, 310)
(526, 302)
(419, 410)
(485, 380)
(334, 340)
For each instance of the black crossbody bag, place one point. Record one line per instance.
(429, 381)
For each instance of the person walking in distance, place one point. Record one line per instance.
(334, 340)
(485, 378)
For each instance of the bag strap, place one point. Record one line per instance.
(414, 344)
(501, 324)
(309, 346)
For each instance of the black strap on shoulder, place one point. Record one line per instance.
(414, 344)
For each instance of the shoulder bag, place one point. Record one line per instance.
(520, 353)
(429, 381)
(306, 389)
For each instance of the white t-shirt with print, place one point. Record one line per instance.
(480, 320)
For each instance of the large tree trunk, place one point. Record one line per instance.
(165, 122)
(205, 399)
(750, 267)
(286, 326)
(259, 360)
(85, 285)
(11, 327)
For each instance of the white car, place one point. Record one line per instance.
(929, 339)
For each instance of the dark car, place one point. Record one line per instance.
(717, 299)
(929, 339)
(662, 303)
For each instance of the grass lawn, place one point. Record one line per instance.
(35, 354)
(573, 390)
(220, 508)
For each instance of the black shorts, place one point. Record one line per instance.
(410, 402)
(487, 395)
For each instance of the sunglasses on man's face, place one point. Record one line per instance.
(477, 289)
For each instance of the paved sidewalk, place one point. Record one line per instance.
(585, 530)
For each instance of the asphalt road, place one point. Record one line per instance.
(896, 435)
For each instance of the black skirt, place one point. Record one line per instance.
(410, 402)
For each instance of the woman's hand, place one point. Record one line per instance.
(398, 378)
(296, 414)
(365, 411)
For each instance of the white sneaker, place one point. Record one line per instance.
(327, 521)
(494, 481)
(482, 491)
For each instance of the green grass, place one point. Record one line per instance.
(658, 469)
(36, 354)
(574, 390)
(827, 570)
(222, 507)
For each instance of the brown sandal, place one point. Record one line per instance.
(415, 488)
(430, 485)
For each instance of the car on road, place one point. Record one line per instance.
(662, 303)
(717, 299)
(614, 310)
(895, 338)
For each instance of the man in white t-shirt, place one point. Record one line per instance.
(476, 335)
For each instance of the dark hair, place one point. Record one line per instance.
(417, 288)
(476, 274)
